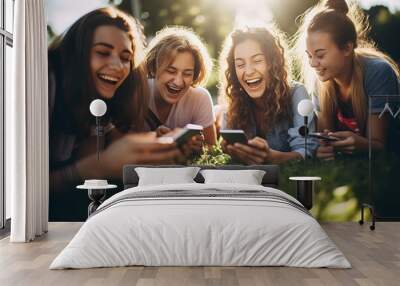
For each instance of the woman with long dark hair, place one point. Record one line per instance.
(100, 56)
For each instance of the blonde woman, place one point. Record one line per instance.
(261, 99)
(178, 65)
(342, 67)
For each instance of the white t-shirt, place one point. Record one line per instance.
(195, 107)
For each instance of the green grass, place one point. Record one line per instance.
(344, 185)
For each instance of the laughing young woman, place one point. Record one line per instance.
(100, 56)
(178, 64)
(261, 99)
(348, 70)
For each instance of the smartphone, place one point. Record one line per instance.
(323, 137)
(234, 136)
(183, 135)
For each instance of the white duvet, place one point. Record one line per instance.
(200, 231)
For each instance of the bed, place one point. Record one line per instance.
(201, 224)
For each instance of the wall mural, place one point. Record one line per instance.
(220, 83)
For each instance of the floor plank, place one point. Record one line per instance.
(374, 255)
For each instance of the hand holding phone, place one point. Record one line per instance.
(185, 134)
(233, 136)
(322, 136)
(255, 152)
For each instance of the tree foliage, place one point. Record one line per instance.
(384, 28)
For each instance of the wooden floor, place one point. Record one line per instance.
(374, 255)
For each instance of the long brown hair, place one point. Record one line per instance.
(276, 96)
(346, 23)
(69, 59)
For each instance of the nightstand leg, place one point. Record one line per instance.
(305, 193)
(97, 196)
(372, 211)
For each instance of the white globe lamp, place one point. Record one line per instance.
(98, 108)
(305, 108)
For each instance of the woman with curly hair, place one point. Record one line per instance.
(261, 99)
(343, 68)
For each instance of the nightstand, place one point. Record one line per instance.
(96, 194)
(305, 190)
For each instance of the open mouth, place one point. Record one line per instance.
(108, 79)
(254, 83)
(173, 89)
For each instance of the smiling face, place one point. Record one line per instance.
(110, 59)
(251, 68)
(325, 57)
(175, 79)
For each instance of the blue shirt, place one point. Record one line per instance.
(379, 80)
(284, 135)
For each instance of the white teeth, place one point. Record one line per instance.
(253, 80)
(107, 77)
(174, 88)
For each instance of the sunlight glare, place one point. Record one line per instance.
(251, 13)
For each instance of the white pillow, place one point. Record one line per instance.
(163, 176)
(249, 177)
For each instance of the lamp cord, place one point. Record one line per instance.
(305, 136)
(98, 136)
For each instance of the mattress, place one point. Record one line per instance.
(201, 225)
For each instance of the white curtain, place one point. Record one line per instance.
(27, 124)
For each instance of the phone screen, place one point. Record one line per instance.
(184, 135)
(234, 136)
(324, 137)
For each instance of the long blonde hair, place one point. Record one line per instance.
(346, 23)
(277, 95)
